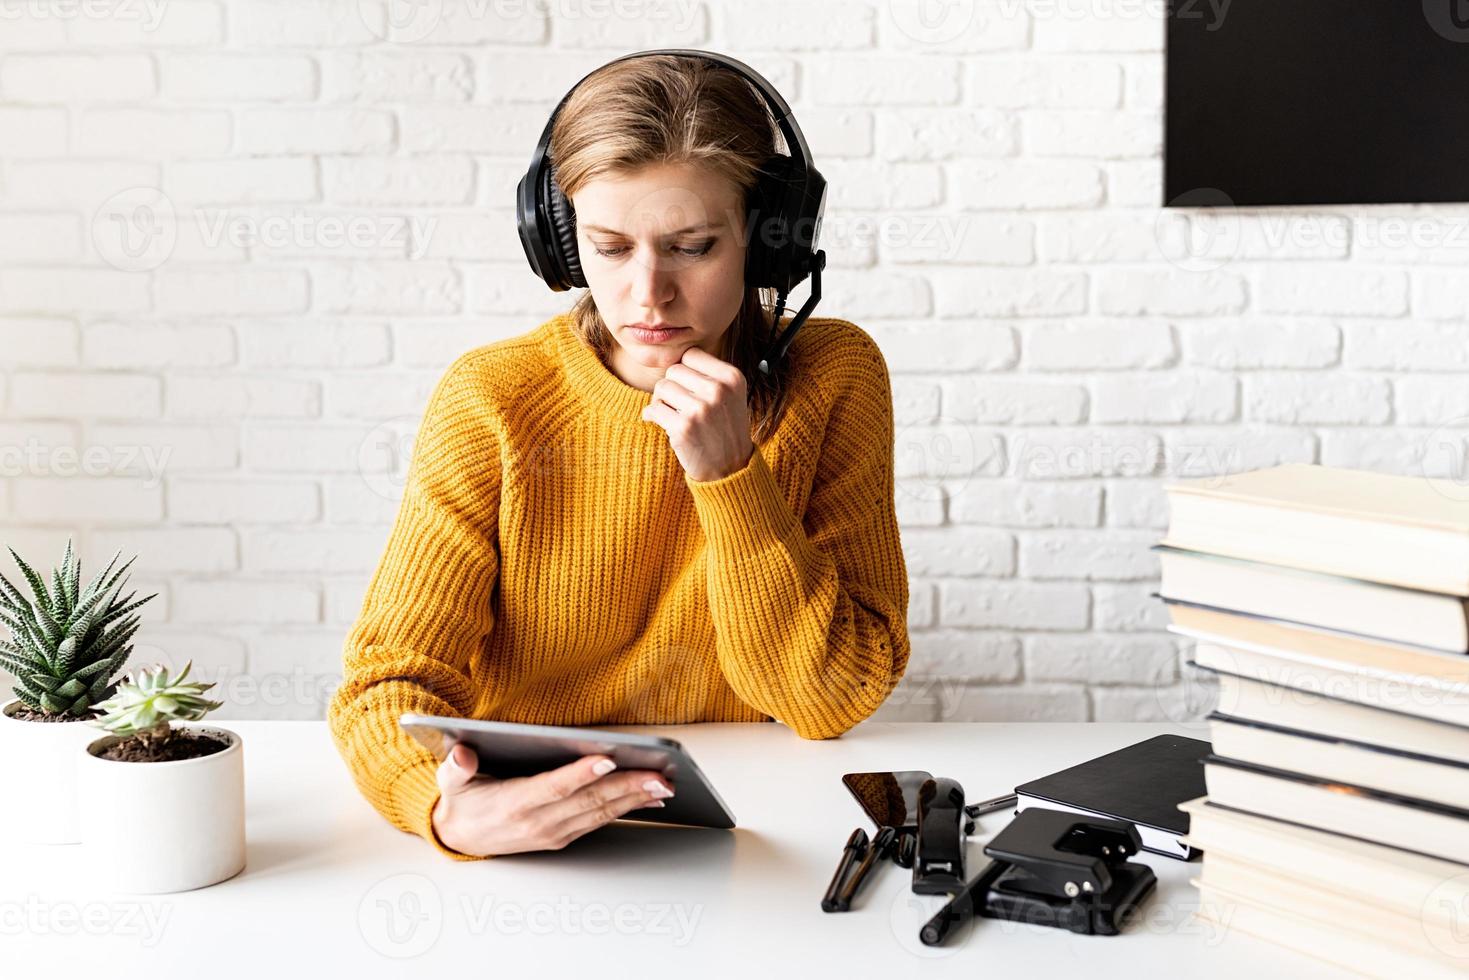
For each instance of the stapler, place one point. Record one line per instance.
(938, 858)
(1056, 869)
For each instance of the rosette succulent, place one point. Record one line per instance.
(147, 701)
(67, 642)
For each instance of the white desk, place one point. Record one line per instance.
(629, 900)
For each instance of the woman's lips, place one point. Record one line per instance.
(656, 336)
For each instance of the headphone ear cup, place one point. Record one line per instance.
(563, 232)
(764, 222)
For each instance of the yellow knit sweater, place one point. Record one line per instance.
(551, 563)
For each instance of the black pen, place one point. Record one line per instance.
(855, 847)
(880, 846)
(990, 806)
(961, 907)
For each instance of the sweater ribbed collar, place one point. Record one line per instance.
(592, 381)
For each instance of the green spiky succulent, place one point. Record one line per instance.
(147, 701)
(67, 643)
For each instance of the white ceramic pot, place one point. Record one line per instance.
(39, 760)
(154, 827)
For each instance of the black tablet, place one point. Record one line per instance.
(508, 749)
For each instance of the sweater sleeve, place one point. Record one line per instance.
(427, 611)
(810, 612)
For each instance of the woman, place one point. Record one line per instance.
(604, 526)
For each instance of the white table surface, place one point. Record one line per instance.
(331, 889)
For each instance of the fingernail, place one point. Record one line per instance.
(604, 766)
(658, 790)
(656, 803)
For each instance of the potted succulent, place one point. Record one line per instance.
(66, 645)
(162, 798)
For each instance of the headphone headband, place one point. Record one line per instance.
(774, 101)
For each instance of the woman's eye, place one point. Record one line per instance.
(694, 252)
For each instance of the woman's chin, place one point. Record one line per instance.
(659, 355)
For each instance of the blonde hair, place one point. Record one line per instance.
(675, 109)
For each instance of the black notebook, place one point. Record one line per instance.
(1142, 784)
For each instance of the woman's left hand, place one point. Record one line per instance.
(701, 403)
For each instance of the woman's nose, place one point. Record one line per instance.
(652, 284)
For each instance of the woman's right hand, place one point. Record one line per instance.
(482, 816)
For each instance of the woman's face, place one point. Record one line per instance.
(662, 245)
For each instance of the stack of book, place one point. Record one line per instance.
(1332, 606)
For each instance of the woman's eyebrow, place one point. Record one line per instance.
(681, 231)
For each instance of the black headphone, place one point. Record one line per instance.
(784, 211)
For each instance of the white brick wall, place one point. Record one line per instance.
(240, 240)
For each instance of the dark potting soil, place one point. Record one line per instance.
(178, 745)
(31, 714)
